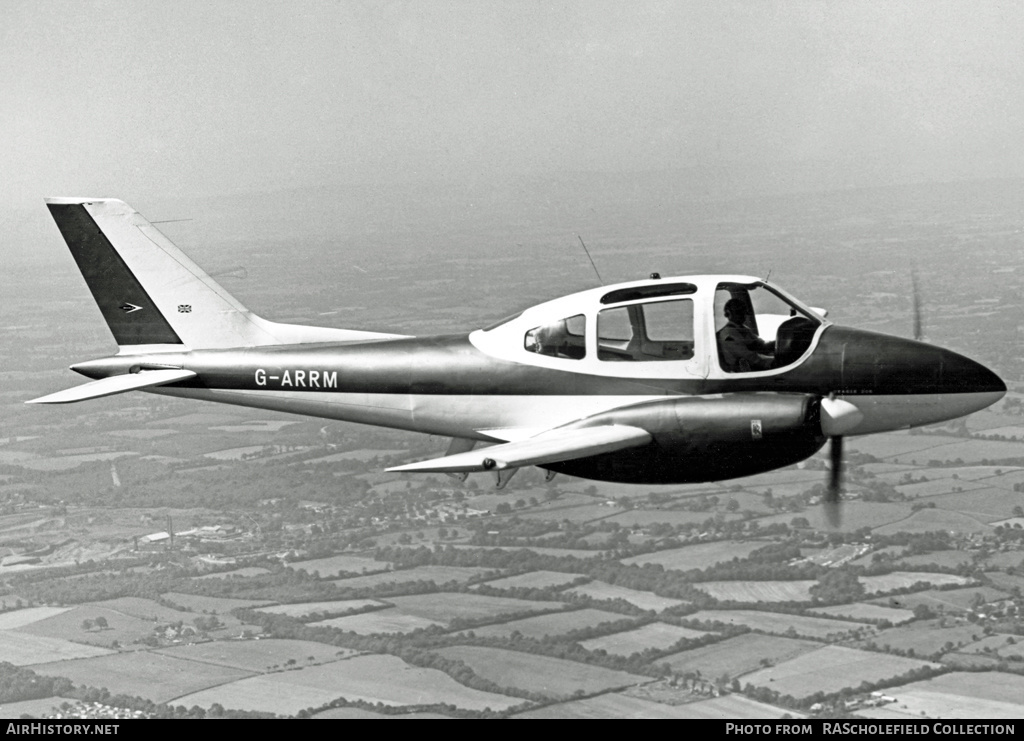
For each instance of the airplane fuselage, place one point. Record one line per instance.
(444, 385)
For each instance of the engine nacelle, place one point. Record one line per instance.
(707, 438)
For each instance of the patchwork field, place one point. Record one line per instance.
(553, 624)
(758, 591)
(376, 678)
(644, 600)
(379, 621)
(440, 575)
(905, 579)
(643, 517)
(27, 616)
(264, 655)
(145, 609)
(150, 675)
(946, 600)
(212, 605)
(830, 669)
(303, 609)
(554, 678)
(22, 649)
(699, 556)
(68, 625)
(656, 636)
(779, 623)
(945, 559)
(534, 580)
(867, 612)
(967, 695)
(444, 607)
(738, 656)
(618, 705)
(337, 565)
(926, 637)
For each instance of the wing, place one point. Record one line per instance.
(115, 385)
(552, 446)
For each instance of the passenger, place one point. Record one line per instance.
(739, 349)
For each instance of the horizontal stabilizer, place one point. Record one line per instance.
(553, 446)
(115, 385)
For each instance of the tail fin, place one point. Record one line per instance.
(152, 296)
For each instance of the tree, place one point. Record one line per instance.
(837, 585)
(87, 624)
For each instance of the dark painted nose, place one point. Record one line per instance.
(895, 365)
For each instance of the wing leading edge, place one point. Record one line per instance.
(553, 446)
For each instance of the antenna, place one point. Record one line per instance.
(599, 279)
(768, 276)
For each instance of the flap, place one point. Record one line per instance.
(553, 446)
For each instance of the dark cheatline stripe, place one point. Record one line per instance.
(114, 287)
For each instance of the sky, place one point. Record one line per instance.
(145, 100)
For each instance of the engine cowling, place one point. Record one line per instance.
(713, 438)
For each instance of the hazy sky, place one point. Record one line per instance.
(161, 99)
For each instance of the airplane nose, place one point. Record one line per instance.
(965, 376)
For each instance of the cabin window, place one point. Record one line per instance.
(565, 338)
(765, 330)
(661, 330)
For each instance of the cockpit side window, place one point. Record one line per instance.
(661, 330)
(757, 329)
(565, 338)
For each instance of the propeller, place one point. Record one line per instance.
(837, 417)
(833, 499)
(918, 331)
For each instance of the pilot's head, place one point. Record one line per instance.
(735, 311)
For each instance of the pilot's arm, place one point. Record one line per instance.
(743, 351)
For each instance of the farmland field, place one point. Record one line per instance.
(653, 635)
(619, 705)
(926, 638)
(758, 591)
(830, 669)
(444, 607)
(777, 622)
(258, 655)
(967, 695)
(644, 600)
(583, 513)
(551, 677)
(68, 625)
(22, 649)
(856, 514)
(866, 611)
(946, 559)
(376, 678)
(985, 505)
(213, 605)
(534, 580)
(379, 621)
(948, 600)
(151, 675)
(739, 655)
(302, 609)
(336, 565)
(144, 609)
(438, 574)
(699, 556)
(904, 579)
(641, 517)
(553, 624)
(27, 616)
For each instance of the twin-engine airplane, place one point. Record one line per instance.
(659, 381)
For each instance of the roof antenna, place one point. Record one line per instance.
(599, 279)
(767, 276)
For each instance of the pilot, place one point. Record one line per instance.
(739, 348)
